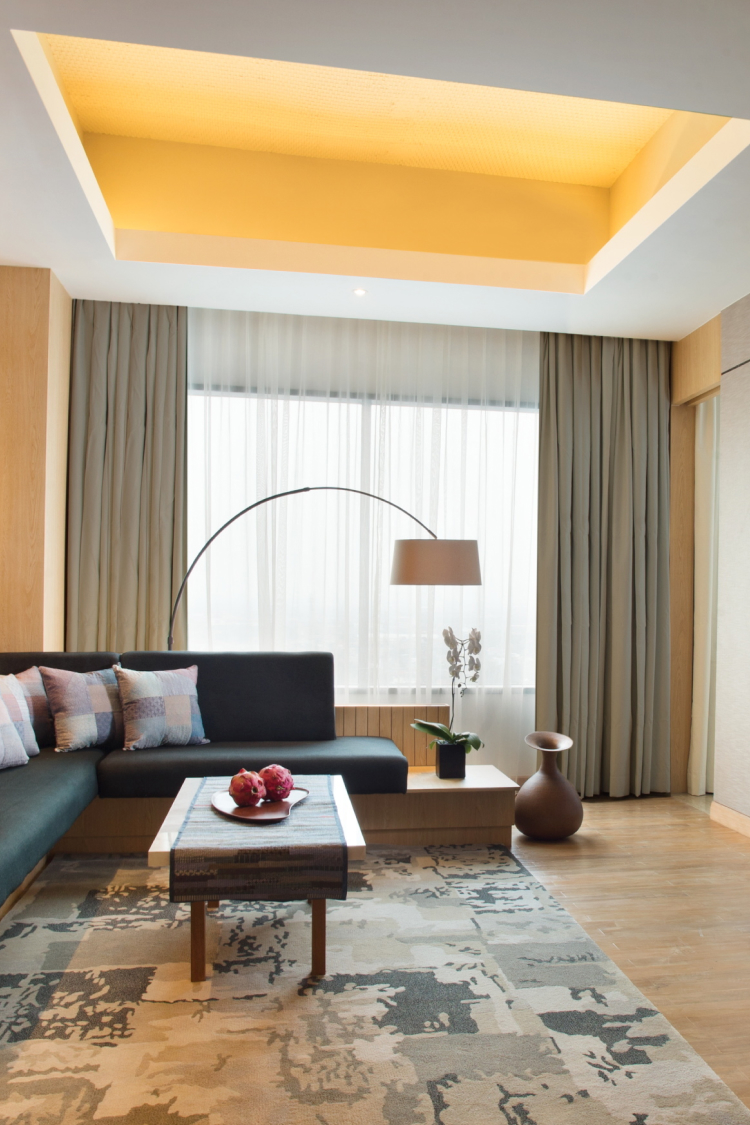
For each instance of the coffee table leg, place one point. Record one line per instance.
(197, 941)
(318, 936)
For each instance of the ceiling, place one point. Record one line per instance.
(422, 89)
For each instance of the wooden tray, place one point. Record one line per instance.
(265, 813)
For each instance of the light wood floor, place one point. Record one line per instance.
(665, 892)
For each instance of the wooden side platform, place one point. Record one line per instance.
(119, 825)
(477, 810)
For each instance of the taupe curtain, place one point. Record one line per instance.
(603, 577)
(126, 475)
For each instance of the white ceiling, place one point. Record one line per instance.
(680, 54)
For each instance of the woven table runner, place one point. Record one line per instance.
(302, 857)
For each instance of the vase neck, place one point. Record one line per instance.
(549, 761)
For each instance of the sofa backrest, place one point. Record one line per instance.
(256, 696)
(13, 662)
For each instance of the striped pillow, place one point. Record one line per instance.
(36, 698)
(14, 698)
(12, 752)
(160, 708)
(86, 707)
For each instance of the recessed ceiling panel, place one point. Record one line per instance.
(216, 159)
(264, 105)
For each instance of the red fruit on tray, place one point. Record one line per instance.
(247, 788)
(278, 782)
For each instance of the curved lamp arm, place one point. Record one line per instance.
(266, 500)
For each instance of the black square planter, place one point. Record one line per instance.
(451, 759)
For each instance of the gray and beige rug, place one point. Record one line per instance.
(459, 993)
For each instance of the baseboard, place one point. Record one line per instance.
(21, 890)
(730, 818)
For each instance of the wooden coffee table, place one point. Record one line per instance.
(159, 855)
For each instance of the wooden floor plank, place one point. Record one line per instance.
(665, 892)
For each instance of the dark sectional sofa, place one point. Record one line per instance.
(257, 708)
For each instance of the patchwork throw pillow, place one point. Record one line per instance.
(12, 695)
(160, 708)
(12, 752)
(38, 704)
(86, 708)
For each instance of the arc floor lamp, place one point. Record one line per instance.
(416, 562)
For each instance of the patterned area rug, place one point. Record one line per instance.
(459, 993)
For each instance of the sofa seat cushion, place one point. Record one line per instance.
(368, 765)
(38, 803)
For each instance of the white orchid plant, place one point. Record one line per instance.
(464, 667)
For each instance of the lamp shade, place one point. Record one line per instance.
(435, 562)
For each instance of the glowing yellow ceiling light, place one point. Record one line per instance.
(264, 105)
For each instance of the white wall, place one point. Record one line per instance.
(732, 770)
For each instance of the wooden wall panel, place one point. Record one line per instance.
(394, 723)
(34, 376)
(696, 363)
(681, 553)
(59, 381)
(56, 469)
(24, 302)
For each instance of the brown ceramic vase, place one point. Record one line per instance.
(547, 805)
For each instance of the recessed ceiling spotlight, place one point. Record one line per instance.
(360, 292)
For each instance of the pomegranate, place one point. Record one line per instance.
(278, 782)
(247, 788)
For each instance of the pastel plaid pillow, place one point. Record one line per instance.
(12, 752)
(86, 708)
(160, 708)
(38, 704)
(12, 695)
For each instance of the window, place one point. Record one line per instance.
(278, 402)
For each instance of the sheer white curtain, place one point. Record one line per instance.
(441, 420)
(705, 595)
